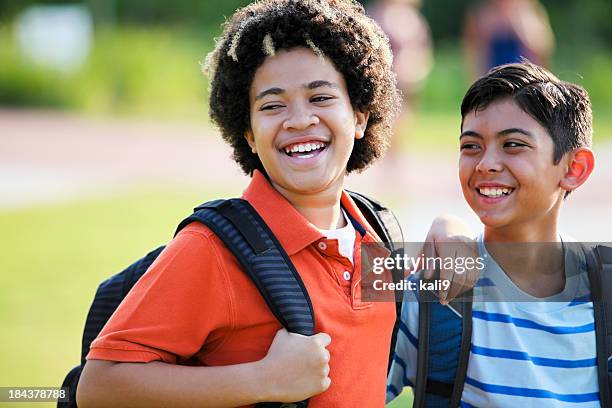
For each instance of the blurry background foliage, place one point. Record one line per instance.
(145, 56)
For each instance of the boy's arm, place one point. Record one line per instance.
(295, 368)
(450, 237)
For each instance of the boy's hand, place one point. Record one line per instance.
(448, 236)
(296, 366)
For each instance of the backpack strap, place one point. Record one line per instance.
(262, 257)
(599, 261)
(443, 351)
(382, 219)
(464, 352)
(264, 260)
(109, 295)
(387, 227)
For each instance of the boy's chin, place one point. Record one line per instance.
(307, 183)
(492, 220)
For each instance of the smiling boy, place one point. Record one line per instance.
(304, 93)
(524, 143)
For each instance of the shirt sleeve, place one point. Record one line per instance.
(172, 310)
(403, 368)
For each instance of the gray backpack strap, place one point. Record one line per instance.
(264, 260)
(465, 306)
(420, 384)
(443, 351)
(599, 261)
(381, 218)
(389, 230)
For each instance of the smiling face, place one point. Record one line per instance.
(507, 173)
(303, 125)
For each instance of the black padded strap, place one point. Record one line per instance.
(465, 305)
(262, 258)
(595, 270)
(388, 229)
(382, 219)
(232, 213)
(438, 388)
(420, 386)
(604, 261)
(604, 257)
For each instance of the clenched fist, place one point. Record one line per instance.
(297, 366)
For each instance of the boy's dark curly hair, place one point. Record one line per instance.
(336, 29)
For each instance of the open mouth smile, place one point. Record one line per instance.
(494, 192)
(305, 150)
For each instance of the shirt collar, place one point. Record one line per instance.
(293, 231)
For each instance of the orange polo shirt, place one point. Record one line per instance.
(195, 305)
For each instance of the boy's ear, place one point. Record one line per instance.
(361, 123)
(580, 165)
(248, 135)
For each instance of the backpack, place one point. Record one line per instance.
(262, 258)
(444, 339)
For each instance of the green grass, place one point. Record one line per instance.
(53, 259)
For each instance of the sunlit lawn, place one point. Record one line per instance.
(52, 261)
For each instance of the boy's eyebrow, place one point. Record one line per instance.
(470, 133)
(269, 91)
(515, 130)
(311, 85)
(320, 83)
(500, 133)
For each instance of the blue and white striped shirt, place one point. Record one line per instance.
(532, 353)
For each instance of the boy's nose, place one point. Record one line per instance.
(300, 118)
(490, 163)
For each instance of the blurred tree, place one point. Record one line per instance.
(192, 12)
(574, 21)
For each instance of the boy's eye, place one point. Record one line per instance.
(514, 144)
(271, 106)
(469, 146)
(320, 98)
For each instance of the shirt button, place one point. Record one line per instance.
(346, 275)
(322, 246)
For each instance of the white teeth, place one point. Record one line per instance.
(494, 191)
(301, 148)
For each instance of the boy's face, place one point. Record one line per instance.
(303, 126)
(506, 168)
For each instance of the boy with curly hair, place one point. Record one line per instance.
(304, 93)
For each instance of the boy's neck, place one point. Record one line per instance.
(530, 255)
(322, 209)
(522, 233)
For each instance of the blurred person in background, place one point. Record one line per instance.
(410, 40)
(498, 32)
